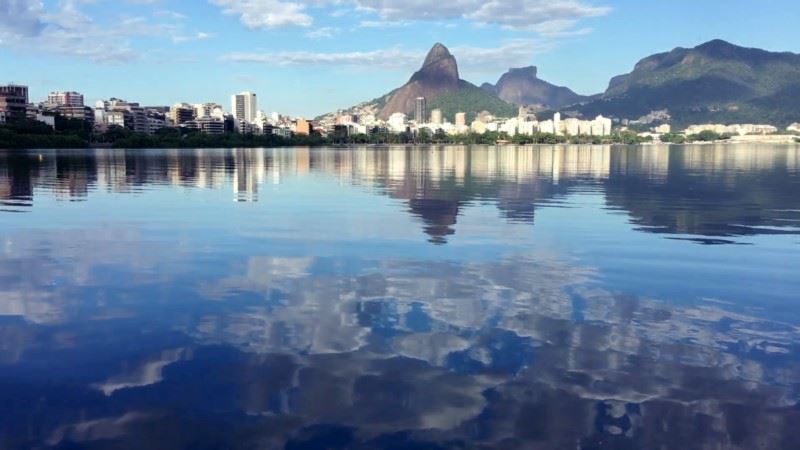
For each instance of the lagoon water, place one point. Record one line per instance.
(403, 297)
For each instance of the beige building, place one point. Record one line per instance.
(436, 116)
(478, 126)
(734, 130)
(461, 119)
(303, 127)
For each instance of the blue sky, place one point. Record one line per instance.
(307, 57)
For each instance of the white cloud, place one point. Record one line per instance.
(266, 13)
(323, 33)
(547, 16)
(21, 17)
(65, 29)
(472, 59)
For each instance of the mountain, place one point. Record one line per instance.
(439, 82)
(716, 81)
(522, 87)
(438, 76)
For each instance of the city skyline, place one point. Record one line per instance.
(307, 58)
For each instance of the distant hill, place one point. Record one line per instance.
(716, 81)
(523, 87)
(439, 82)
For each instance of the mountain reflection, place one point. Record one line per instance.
(710, 191)
(271, 299)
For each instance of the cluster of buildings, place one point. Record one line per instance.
(245, 117)
(733, 130)
(526, 123)
(211, 118)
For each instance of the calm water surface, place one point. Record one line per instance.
(405, 298)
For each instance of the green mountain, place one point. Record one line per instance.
(439, 83)
(716, 81)
(472, 100)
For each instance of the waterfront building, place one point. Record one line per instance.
(421, 110)
(662, 129)
(303, 127)
(156, 120)
(397, 123)
(735, 129)
(436, 116)
(461, 119)
(180, 113)
(478, 126)
(244, 106)
(134, 116)
(210, 125)
(794, 128)
(547, 126)
(557, 123)
(56, 99)
(14, 101)
(208, 110)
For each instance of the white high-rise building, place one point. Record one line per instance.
(72, 99)
(244, 106)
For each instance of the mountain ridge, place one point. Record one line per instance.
(522, 86)
(714, 81)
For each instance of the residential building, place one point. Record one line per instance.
(244, 106)
(557, 123)
(211, 125)
(735, 129)
(478, 126)
(73, 99)
(14, 101)
(208, 110)
(662, 129)
(436, 116)
(180, 113)
(397, 123)
(134, 117)
(421, 110)
(794, 128)
(2, 117)
(156, 120)
(303, 127)
(461, 119)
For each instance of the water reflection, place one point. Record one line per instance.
(717, 191)
(142, 320)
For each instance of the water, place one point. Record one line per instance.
(430, 297)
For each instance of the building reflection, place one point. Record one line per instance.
(709, 184)
(121, 336)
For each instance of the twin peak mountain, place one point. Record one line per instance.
(714, 82)
(439, 82)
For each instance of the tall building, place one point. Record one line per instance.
(14, 101)
(244, 106)
(557, 123)
(72, 99)
(461, 119)
(421, 110)
(436, 116)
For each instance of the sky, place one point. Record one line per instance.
(309, 57)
